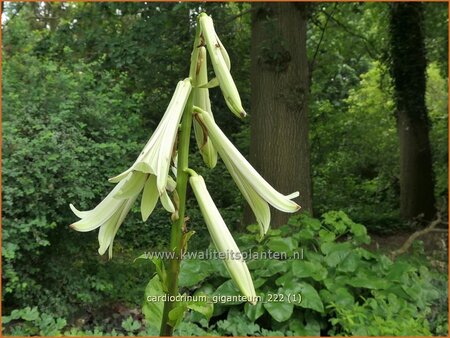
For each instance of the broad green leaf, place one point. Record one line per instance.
(310, 299)
(280, 311)
(269, 268)
(258, 282)
(194, 271)
(29, 314)
(304, 234)
(205, 308)
(399, 271)
(328, 248)
(371, 282)
(363, 253)
(358, 230)
(399, 291)
(6, 319)
(227, 289)
(311, 328)
(313, 223)
(153, 309)
(253, 312)
(350, 263)
(284, 278)
(360, 233)
(331, 283)
(131, 325)
(335, 252)
(280, 244)
(343, 297)
(303, 269)
(326, 236)
(177, 313)
(340, 296)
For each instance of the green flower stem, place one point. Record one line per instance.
(191, 172)
(176, 236)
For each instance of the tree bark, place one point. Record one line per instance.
(408, 69)
(279, 147)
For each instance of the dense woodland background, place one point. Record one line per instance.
(348, 104)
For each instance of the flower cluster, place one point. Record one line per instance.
(150, 171)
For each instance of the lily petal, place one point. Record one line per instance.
(156, 155)
(227, 150)
(109, 230)
(132, 185)
(110, 213)
(78, 213)
(94, 218)
(167, 202)
(149, 197)
(258, 205)
(221, 66)
(222, 239)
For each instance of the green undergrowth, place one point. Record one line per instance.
(323, 282)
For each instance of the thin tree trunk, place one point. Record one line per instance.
(408, 70)
(279, 147)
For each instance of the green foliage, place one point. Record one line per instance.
(380, 318)
(436, 35)
(30, 322)
(57, 118)
(154, 304)
(33, 323)
(437, 104)
(327, 283)
(358, 148)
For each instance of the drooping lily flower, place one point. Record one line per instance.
(223, 240)
(157, 153)
(150, 173)
(256, 190)
(110, 213)
(201, 99)
(221, 64)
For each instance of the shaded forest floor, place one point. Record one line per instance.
(433, 244)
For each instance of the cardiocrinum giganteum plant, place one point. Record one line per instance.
(161, 172)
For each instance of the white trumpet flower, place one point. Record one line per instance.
(110, 213)
(256, 190)
(157, 153)
(223, 240)
(201, 99)
(221, 64)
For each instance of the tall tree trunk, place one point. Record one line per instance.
(408, 70)
(279, 147)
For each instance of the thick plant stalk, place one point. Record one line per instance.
(176, 236)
